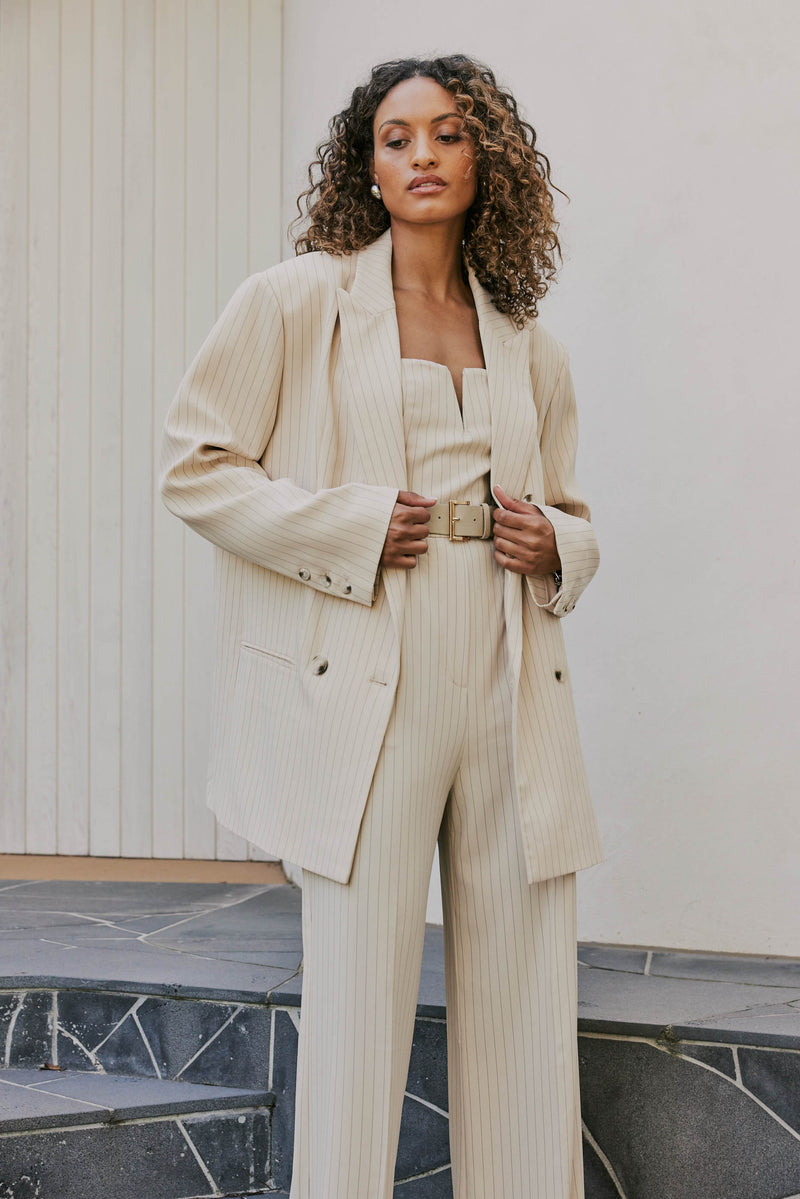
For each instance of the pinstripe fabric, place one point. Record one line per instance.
(284, 445)
(446, 771)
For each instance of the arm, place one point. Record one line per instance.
(217, 429)
(565, 506)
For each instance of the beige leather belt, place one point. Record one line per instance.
(459, 519)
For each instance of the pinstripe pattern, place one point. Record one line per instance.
(446, 771)
(285, 446)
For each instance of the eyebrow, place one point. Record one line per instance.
(399, 120)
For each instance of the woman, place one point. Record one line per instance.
(379, 438)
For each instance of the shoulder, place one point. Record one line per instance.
(549, 366)
(291, 289)
(314, 275)
(545, 347)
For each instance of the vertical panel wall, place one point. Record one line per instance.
(139, 184)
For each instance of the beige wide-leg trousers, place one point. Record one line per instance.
(444, 774)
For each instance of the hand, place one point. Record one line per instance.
(407, 534)
(524, 539)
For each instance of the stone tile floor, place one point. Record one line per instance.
(688, 1061)
(236, 941)
(240, 942)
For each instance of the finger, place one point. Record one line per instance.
(401, 556)
(515, 520)
(418, 516)
(508, 546)
(508, 563)
(414, 499)
(401, 528)
(413, 547)
(519, 534)
(405, 541)
(508, 501)
(414, 512)
(529, 538)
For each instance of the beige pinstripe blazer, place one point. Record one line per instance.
(284, 446)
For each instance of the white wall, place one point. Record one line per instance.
(139, 166)
(673, 128)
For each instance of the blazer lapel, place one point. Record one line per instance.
(507, 353)
(514, 436)
(371, 359)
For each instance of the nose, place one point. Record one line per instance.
(424, 154)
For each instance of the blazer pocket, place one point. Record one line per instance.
(261, 738)
(269, 655)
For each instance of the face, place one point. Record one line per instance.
(423, 161)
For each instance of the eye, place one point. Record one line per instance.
(443, 137)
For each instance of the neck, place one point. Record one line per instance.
(427, 259)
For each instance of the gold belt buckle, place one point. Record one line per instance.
(451, 535)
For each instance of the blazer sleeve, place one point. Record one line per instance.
(217, 429)
(565, 507)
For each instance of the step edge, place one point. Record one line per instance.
(93, 1121)
(9, 984)
(236, 1099)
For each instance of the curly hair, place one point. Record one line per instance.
(510, 237)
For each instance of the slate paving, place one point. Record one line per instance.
(186, 1157)
(690, 1063)
(645, 1004)
(235, 941)
(47, 1098)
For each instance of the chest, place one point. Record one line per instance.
(447, 333)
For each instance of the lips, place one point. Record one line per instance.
(427, 183)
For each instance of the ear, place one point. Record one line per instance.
(371, 168)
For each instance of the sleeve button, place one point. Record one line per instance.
(325, 580)
(347, 589)
(304, 574)
(319, 665)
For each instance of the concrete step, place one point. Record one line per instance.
(196, 984)
(70, 1134)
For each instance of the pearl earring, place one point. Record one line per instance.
(376, 191)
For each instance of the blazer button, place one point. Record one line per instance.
(347, 588)
(304, 574)
(319, 665)
(325, 580)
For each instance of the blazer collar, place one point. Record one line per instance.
(372, 288)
